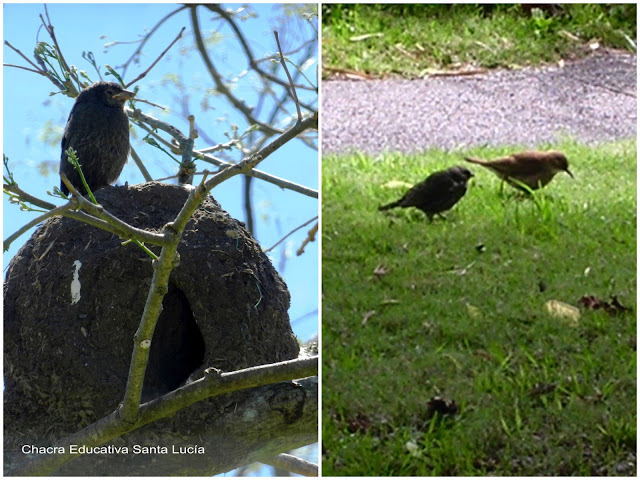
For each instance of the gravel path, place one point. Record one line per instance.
(592, 99)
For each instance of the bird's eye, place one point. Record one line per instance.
(110, 92)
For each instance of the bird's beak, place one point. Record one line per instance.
(570, 174)
(124, 95)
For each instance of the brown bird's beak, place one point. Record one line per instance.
(124, 95)
(570, 174)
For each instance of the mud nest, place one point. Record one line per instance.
(74, 296)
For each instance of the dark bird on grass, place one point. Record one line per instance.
(533, 169)
(98, 130)
(438, 193)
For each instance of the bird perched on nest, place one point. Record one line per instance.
(533, 169)
(98, 129)
(438, 193)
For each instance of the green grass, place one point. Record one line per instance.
(414, 40)
(458, 311)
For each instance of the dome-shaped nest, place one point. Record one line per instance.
(74, 296)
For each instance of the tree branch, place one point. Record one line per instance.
(52, 213)
(293, 88)
(122, 229)
(293, 464)
(144, 74)
(148, 36)
(212, 384)
(290, 233)
(140, 164)
(255, 65)
(280, 182)
(217, 78)
(311, 237)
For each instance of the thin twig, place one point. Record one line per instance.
(293, 464)
(140, 100)
(50, 31)
(280, 182)
(290, 233)
(247, 50)
(38, 69)
(126, 64)
(21, 54)
(120, 229)
(124, 230)
(138, 161)
(311, 237)
(144, 74)
(157, 124)
(14, 188)
(22, 68)
(220, 85)
(51, 213)
(293, 88)
(216, 148)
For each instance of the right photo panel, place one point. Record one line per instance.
(479, 239)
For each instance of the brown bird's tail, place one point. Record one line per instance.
(479, 161)
(389, 205)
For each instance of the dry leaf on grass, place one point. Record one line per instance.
(380, 271)
(564, 311)
(367, 316)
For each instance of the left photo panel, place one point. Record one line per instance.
(160, 216)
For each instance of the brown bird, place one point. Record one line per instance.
(438, 193)
(533, 169)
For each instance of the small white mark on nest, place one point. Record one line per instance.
(249, 415)
(145, 344)
(75, 283)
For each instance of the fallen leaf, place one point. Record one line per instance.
(359, 38)
(412, 448)
(390, 301)
(462, 271)
(473, 311)
(380, 271)
(483, 354)
(564, 311)
(367, 316)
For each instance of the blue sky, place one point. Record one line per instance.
(33, 120)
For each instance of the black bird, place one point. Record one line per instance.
(98, 129)
(438, 193)
(532, 168)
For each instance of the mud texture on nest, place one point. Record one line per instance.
(67, 357)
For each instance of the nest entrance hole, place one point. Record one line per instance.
(177, 347)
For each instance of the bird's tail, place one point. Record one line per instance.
(479, 161)
(389, 205)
